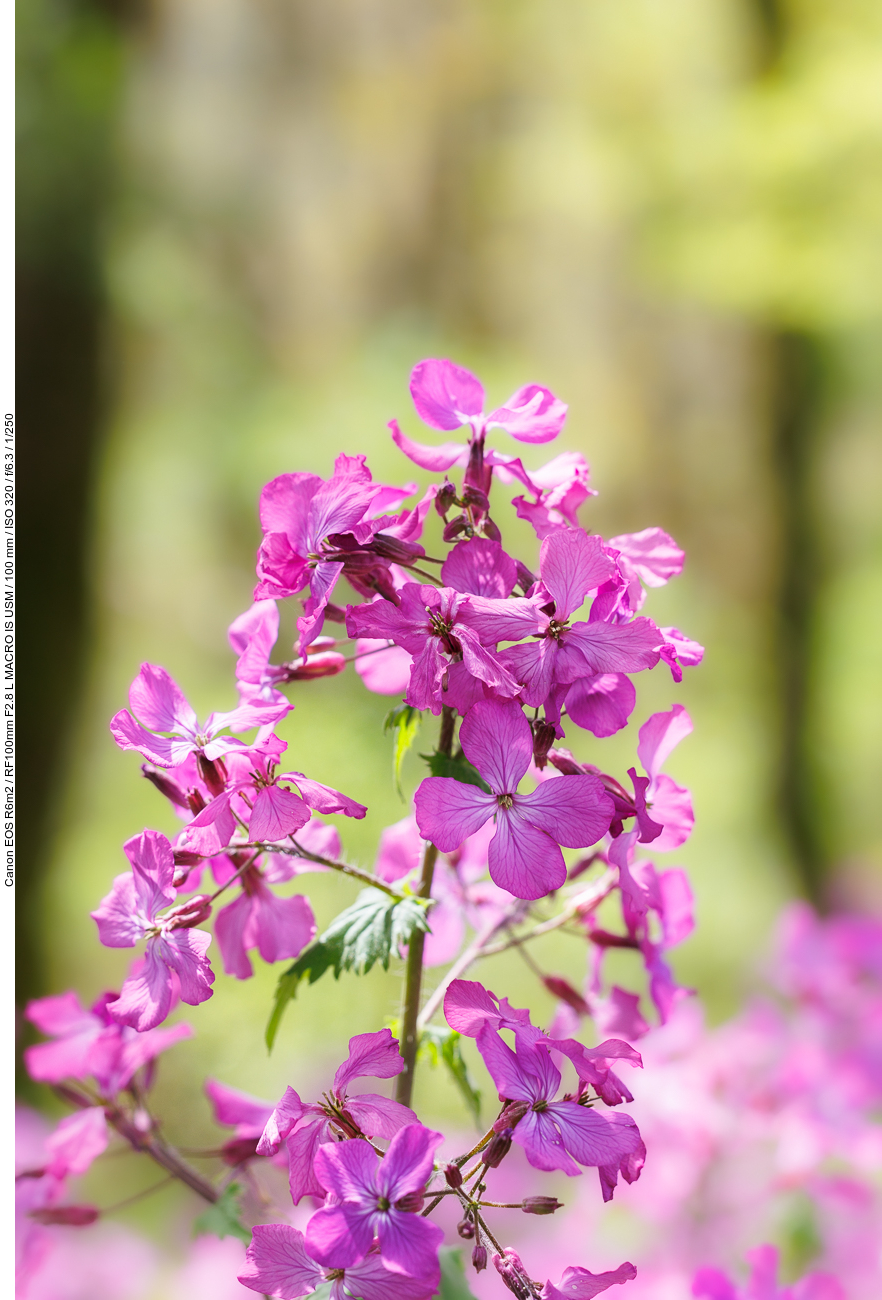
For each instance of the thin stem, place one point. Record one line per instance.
(465, 959)
(413, 970)
(298, 851)
(236, 875)
(588, 898)
(139, 1196)
(430, 577)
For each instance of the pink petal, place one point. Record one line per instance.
(184, 952)
(302, 1146)
(712, 1284)
(545, 1149)
(135, 1050)
(284, 507)
(153, 869)
(343, 501)
(158, 702)
(435, 459)
(481, 567)
(400, 850)
(277, 813)
(448, 811)
(325, 799)
(371, 1280)
(277, 1263)
(572, 564)
(595, 1138)
(146, 995)
(654, 555)
(375, 1056)
(347, 1169)
(116, 915)
(323, 580)
(337, 1237)
(573, 810)
(253, 713)
(280, 1123)
(129, 734)
(532, 414)
(212, 829)
(579, 1284)
(281, 571)
(77, 1141)
(485, 665)
(523, 859)
(384, 668)
(229, 928)
(619, 1014)
(602, 704)
(505, 1069)
(660, 735)
(445, 395)
(468, 1007)
(379, 1117)
(672, 806)
(407, 1164)
(409, 1245)
(623, 648)
(280, 928)
(239, 1110)
(497, 740)
(255, 630)
(677, 906)
(502, 620)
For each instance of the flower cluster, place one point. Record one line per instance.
(513, 658)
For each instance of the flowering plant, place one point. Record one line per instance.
(509, 658)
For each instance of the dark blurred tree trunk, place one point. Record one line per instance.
(69, 62)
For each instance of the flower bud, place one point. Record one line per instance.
(72, 1216)
(479, 1258)
(165, 785)
(187, 858)
(526, 579)
(541, 1204)
(514, 1111)
(543, 739)
(513, 1274)
(466, 1229)
(563, 760)
(196, 910)
(213, 773)
(453, 1174)
(445, 497)
(473, 496)
(564, 990)
(411, 1202)
(497, 1148)
(490, 531)
(327, 664)
(238, 1150)
(334, 614)
(396, 550)
(458, 525)
(195, 802)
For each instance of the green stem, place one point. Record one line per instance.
(413, 970)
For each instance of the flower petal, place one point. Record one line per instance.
(276, 814)
(601, 704)
(435, 459)
(375, 1056)
(572, 563)
(409, 1245)
(618, 648)
(523, 859)
(531, 414)
(448, 811)
(660, 735)
(573, 810)
(407, 1164)
(158, 702)
(481, 568)
(277, 1264)
(497, 740)
(161, 750)
(445, 395)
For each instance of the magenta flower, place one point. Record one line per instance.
(670, 804)
(601, 703)
(560, 1134)
(91, 1043)
(279, 928)
(315, 531)
(652, 555)
(130, 912)
(279, 1266)
(449, 663)
(378, 1198)
(559, 489)
(524, 854)
(304, 1126)
(579, 1284)
(680, 651)
(160, 706)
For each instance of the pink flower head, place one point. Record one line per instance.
(447, 396)
(680, 651)
(524, 854)
(559, 489)
(579, 1284)
(449, 664)
(712, 1284)
(378, 1198)
(559, 1134)
(279, 1266)
(130, 912)
(91, 1043)
(670, 804)
(315, 531)
(158, 705)
(304, 1126)
(279, 928)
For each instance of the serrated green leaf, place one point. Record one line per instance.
(439, 1044)
(223, 1218)
(369, 931)
(458, 767)
(405, 721)
(453, 1279)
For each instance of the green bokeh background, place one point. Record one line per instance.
(644, 207)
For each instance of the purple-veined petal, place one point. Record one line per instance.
(323, 580)
(579, 1284)
(153, 868)
(654, 556)
(116, 916)
(348, 1169)
(601, 704)
(280, 570)
(253, 713)
(377, 1116)
(146, 995)
(409, 1245)
(660, 735)
(160, 750)
(184, 952)
(324, 798)
(435, 459)
(480, 567)
(503, 620)
(543, 1145)
(486, 666)
(157, 701)
(212, 829)
(573, 810)
(622, 648)
(407, 1164)
(505, 1069)
(280, 1123)
(280, 928)
(340, 1235)
(343, 501)
(595, 1138)
(301, 1147)
(468, 1007)
(523, 859)
(497, 740)
(277, 1264)
(284, 507)
(239, 1110)
(448, 811)
(371, 1280)
(277, 813)
(445, 395)
(540, 665)
(572, 563)
(677, 916)
(374, 1056)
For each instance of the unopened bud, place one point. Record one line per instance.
(473, 496)
(321, 665)
(513, 1274)
(334, 614)
(187, 858)
(444, 498)
(238, 1150)
(453, 1174)
(213, 773)
(165, 785)
(456, 526)
(479, 1258)
(543, 739)
(396, 550)
(195, 802)
(71, 1216)
(196, 910)
(564, 990)
(466, 1229)
(490, 531)
(563, 760)
(411, 1202)
(497, 1148)
(514, 1111)
(541, 1204)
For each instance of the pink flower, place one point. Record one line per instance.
(383, 666)
(712, 1284)
(279, 1266)
(680, 652)
(159, 705)
(378, 1198)
(315, 531)
(253, 635)
(559, 489)
(579, 1284)
(671, 804)
(559, 1134)
(129, 913)
(449, 663)
(76, 1141)
(524, 854)
(304, 1126)
(91, 1043)
(280, 928)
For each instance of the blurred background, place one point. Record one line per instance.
(241, 222)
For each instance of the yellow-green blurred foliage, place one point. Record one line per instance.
(621, 199)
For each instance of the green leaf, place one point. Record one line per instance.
(369, 931)
(458, 767)
(223, 1218)
(405, 721)
(453, 1279)
(438, 1045)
